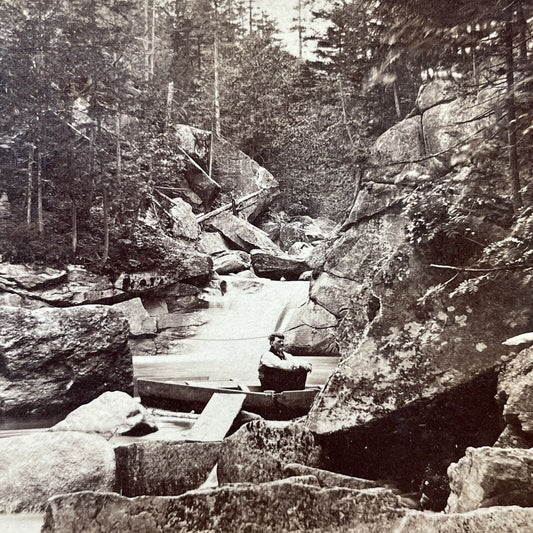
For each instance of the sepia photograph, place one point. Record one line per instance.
(266, 266)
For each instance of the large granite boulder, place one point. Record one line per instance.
(326, 478)
(235, 175)
(30, 278)
(515, 394)
(242, 234)
(239, 176)
(164, 468)
(184, 221)
(73, 286)
(267, 508)
(185, 264)
(231, 262)
(416, 373)
(141, 323)
(38, 466)
(454, 122)
(112, 413)
(434, 93)
(494, 519)
(311, 331)
(212, 242)
(258, 451)
(54, 360)
(487, 477)
(277, 265)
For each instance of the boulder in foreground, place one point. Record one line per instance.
(267, 508)
(258, 451)
(493, 520)
(36, 467)
(515, 393)
(164, 468)
(487, 477)
(55, 360)
(112, 413)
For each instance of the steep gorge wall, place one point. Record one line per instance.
(417, 376)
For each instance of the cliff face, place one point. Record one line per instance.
(418, 368)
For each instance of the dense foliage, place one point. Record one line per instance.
(90, 91)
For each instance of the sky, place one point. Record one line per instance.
(284, 12)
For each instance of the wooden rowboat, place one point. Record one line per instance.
(193, 396)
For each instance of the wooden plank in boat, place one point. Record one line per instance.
(217, 417)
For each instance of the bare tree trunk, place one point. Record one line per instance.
(40, 223)
(211, 155)
(152, 47)
(118, 146)
(146, 39)
(300, 30)
(345, 115)
(250, 11)
(74, 227)
(92, 156)
(105, 254)
(522, 24)
(170, 98)
(396, 100)
(29, 186)
(511, 111)
(216, 98)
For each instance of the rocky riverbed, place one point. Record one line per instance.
(424, 425)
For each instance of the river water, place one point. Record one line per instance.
(228, 346)
(238, 323)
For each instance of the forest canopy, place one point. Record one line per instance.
(90, 91)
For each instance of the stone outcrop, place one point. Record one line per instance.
(435, 93)
(212, 242)
(38, 466)
(112, 413)
(30, 278)
(239, 175)
(196, 145)
(191, 265)
(277, 265)
(185, 224)
(235, 175)
(54, 360)
(329, 479)
(242, 234)
(269, 508)
(258, 451)
(487, 477)
(515, 394)
(73, 286)
(231, 262)
(311, 331)
(418, 372)
(141, 323)
(162, 468)
(495, 520)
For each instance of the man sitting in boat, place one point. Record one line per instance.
(278, 370)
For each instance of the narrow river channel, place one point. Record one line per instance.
(230, 343)
(228, 346)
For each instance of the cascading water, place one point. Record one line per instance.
(242, 313)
